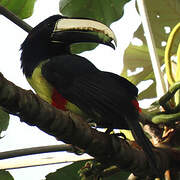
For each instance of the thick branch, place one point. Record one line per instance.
(72, 129)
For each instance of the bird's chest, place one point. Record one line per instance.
(40, 85)
(48, 93)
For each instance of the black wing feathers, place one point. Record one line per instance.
(99, 94)
(95, 92)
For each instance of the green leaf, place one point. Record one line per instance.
(105, 11)
(5, 175)
(138, 57)
(162, 14)
(68, 172)
(22, 8)
(71, 173)
(81, 47)
(4, 120)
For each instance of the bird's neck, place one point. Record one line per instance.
(33, 55)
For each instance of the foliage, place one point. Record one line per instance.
(5, 175)
(105, 11)
(163, 16)
(75, 170)
(63, 173)
(22, 8)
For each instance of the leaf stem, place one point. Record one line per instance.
(15, 19)
(161, 88)
(35, 150)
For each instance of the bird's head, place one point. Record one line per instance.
(54, 35)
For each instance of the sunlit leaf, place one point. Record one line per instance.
(138, 57)
(163, 16)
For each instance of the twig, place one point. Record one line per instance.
(17, 163)
(35, 150)
(154, 132)
(15, 19)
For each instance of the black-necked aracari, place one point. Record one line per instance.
(71, 82)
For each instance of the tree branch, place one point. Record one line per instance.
(72, 129)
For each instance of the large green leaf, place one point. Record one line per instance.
(5, 175)
(105, 11)
(71, 173)
(138, 57)
(163, 14)
(22, 8)
(68, 172)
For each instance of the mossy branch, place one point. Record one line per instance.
(72, 129)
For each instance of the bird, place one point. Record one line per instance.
(71, 82)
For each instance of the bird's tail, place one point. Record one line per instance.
(143, 141)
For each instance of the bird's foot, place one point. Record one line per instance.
(76, 150)
(111, 132)
(121, 135)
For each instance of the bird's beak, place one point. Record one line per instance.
(71, 30)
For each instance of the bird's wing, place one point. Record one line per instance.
(95, 92)
(100, 94)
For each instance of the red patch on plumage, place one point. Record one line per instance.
(136, 105)
(58, 100)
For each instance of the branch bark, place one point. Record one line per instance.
(72, 129)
